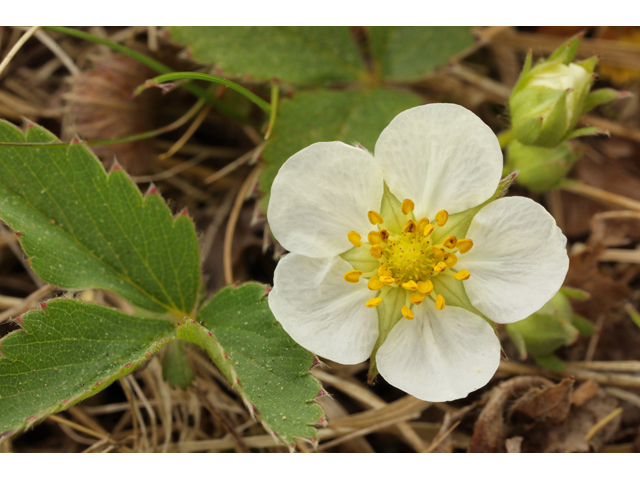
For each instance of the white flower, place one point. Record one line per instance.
(397, 256)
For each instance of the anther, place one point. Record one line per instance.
(425, 287)
(438, 252)
(450, 242)
(441, 217)
(374, 237)
(377, 250)
(450, 259)
(462, 275)
(353, 276)
(407, 206)
(355, 238)
(407, 313)
(422, 223)
(374, 217)
(410, 285)
(375, 283)
(384, 233)
(384, 272)
(374, 302)
(387, 280)
(440, 267)
(410, 227)
(464, 245)
(439, 302)
(417, 298)
(428, 229)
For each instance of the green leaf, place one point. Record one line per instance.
(409, 53)
(69, 351)
(302, 55)
(82, 227)
(267, 368)
(176, 369)
(323, 116)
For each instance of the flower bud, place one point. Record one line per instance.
(550, 97)
(551, 327)
(540, 169)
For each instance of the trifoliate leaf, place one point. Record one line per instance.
(302, 55)
(66, 352)
(409, 53)
(352, 116)
(81, 227)
(267, 368)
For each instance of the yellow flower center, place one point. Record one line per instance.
(409, 259)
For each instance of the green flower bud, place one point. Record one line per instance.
(551, 327)
(541, 169)
(550, 97)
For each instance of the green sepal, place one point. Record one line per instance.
(589, 64)
(587, 132)
(455, 294)
(601, 96)
(361, 259)
(554, 127)
(575, 293)
(458, 223)
(584, 326)
(550, 362)
(394, 219)
(389, 314)
(524, 73)
(541, 169)
(566, 52)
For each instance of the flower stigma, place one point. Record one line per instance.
(409, 259)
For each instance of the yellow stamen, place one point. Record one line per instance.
(441, 217)
(410, 227)
(355, 238)
(406, 313)
(387, 280)
(425, 287)
(439, 302)
(407, 206)
(374, 237)
(410, 285)
(375, 283)
(384, 272)
(374, 217)
(450, 242)
(450, 259)
(377, 250)
(384, 233)
(428, 229)
(353, 276)
(464, 245)
(438, 252)
(462, 275)
(374, 302)
(439, 268)
(417, 298)
(422, 223)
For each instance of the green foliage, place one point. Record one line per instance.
(82, 227)
(409, 53)
(301, 55)
(66, 352)
(260, 360)
(322, 116)
(176, 369)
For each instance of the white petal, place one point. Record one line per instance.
(321, 194)
(440, 355)
(323, 312)
(441, 156)
(518, 260)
